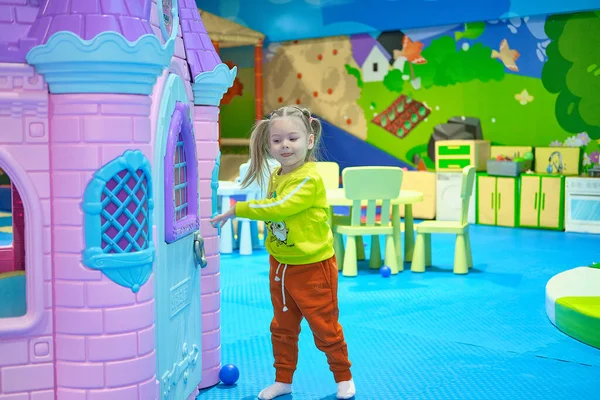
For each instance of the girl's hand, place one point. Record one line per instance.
(219, 220)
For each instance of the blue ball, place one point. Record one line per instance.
(385, 271)
(229, 374)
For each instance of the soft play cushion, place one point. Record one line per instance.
(573, 303)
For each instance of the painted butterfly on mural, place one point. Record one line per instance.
(524, 97)
(411, 51)
(507, 55)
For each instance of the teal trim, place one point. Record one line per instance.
(125, 260)
(214, 184)
(210, 86)
(108, 63)
(129, 269)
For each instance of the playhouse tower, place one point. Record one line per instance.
(109, 128)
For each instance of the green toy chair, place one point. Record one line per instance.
(463, 259)
(330, 174)
(374, 185)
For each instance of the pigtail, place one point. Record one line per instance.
(317, 129)
(259, 151)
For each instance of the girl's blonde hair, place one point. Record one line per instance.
(259, 141)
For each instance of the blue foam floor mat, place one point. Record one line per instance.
(426, 336)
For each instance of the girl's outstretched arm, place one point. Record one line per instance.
(219, 220)
(297, 196)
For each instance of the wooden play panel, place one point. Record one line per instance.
(573, 303)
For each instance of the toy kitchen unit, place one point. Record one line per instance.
(582, 205)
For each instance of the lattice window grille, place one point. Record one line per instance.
(180, 187)
(124, 215)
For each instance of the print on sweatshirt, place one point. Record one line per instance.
(279, 230)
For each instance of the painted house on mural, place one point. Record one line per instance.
(392, 43)
(109, 269)
(372, 58)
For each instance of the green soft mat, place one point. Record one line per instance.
(579, 317)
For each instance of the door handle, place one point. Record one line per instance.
(535, 201)
(499, 201)
(199, 251)
(543, 201)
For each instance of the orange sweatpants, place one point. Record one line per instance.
(308, 291)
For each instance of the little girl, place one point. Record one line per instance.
(304, 272)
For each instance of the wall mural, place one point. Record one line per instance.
(237, 106)
(237, 89)
(283, 20)
(316, 73)
(519, 81)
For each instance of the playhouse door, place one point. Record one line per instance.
(181, 341)
(180, 248)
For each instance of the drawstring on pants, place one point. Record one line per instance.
(282, 283)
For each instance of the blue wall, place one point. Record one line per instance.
(349, 151)
(282, 20)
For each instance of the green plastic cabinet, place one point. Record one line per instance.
(542, 201)
(497, 200)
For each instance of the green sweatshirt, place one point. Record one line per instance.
(296, 214)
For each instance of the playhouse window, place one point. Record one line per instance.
(375, 67)
(117, 205)
(180, 181)
(124, 216)
(181, 176)
(13, 301)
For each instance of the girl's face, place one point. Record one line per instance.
(289, 142)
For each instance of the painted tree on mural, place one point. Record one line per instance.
(446, 66)
(573, 70)
(393, 81)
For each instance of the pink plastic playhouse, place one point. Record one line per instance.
(109, 269)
